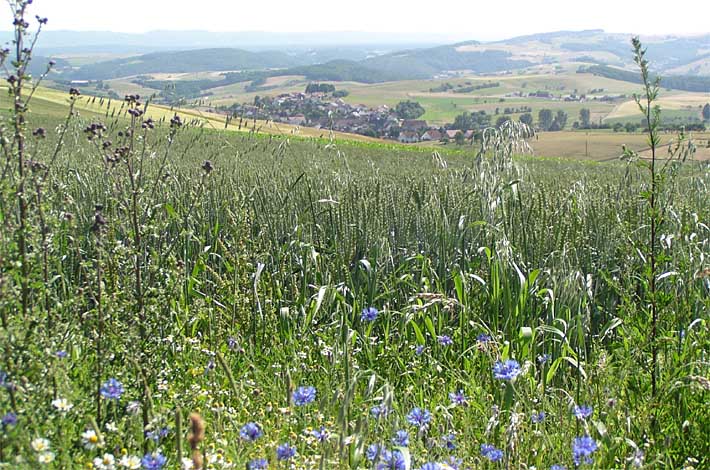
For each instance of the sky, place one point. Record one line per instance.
(483, 20)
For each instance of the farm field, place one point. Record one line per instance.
(335, 304)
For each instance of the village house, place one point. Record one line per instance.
(431, 134)
(413, 125)
(408, 137)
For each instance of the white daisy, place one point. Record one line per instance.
(62, 404)
(40, 444)
(46, 457)
(107, 462)
(90, 439)
(131, 462)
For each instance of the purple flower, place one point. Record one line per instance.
(430, 466)
(369, 314)
(374, 451)
(61, 354)
(454, 463)
(232, 342)
(379, 411)
(490, 452)
(392, 461)
(419, 350)
(304, 395)
(458, 398)
(583, 411)
(449, 440)
(445, 340)
(507, 370)
(321, 434)
(582, 449)
(112, 389)
(483, 338)
(401, 438)
(538, 418)
(258, 464)
(251, 432)
(285, 452)
(558, 467)
(155, 461)
(543, 358)
(418, 417)
(9, 419)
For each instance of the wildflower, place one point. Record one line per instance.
(46, 457)
(445, 340)
(369, 314)
(304, 395)
(449, 440)
(558, 467)
(507, 370)
(62, 404)
(419, 417)
(490, 452)
(285, 452)
(379, 411)
(111, 427)
(543, 358)
(401, 438)
(320, 434)
(187, 464)
(251, 432)
(90, 439)
(483, 338)
(583, 411)
(131, 462)
(258, 464)
(392, 461)
(9, 419)
(582, 449)
(452, 464)
(154, 461)
(112, 389)
(430, 466)
(232, 342)
(538, 418)
(419, 350)
(40, 444)
(374, 451)
(107, 462)
(133, 407)
(61, 354)
(4, 382)
(458, 398)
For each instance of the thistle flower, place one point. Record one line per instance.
(304, 395)
(251, 432)
(369, 314)
(582, 449)
(418, 417)
(112, 389)
(507, 370)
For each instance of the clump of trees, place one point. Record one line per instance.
(549, 121)
(320, 88)
(409, 110)
(706, 112)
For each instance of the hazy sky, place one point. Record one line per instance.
(479, 19)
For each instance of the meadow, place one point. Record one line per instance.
(176, 296)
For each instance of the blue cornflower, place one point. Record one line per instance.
(507, 370)
(419, 350)
(112, 389)
(401, 438)
(543, 358)
(4, 382)
(154, 461)
(430, 466)
(445, 340)
(583, 411)
(483, 338)
(449, 440)
(374, 451)
(454, 462)
(392, 461)
(304, 395)
(582, 449)
(369, 314)
(10, 419)
(458, 398)
(379, 411)
(538, 418)
(61, 354)
(232, 342)
(320, 434)
(258, 464)
(490, 452)
(419, 417)
(558, 467)
(251, 432)
(285, 452)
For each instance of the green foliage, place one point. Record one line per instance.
(675, 82)
(409, 110)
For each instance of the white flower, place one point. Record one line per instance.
(187, 464)
(133, 407)
(62, 404)
(130, 462)
(46, 457)
(111, 427)
(107, 462)
(40, 444)
(90, 439)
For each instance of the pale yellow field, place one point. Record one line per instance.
(667, 101)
